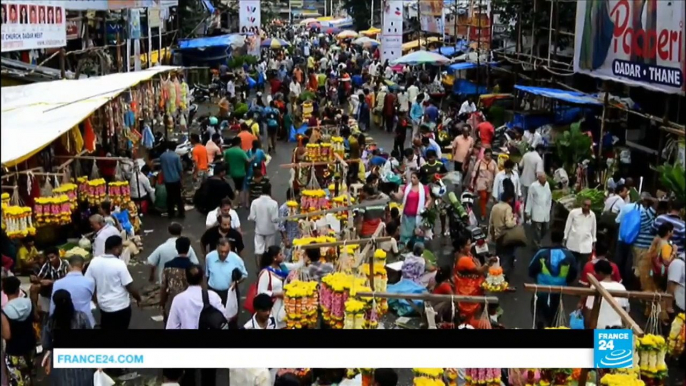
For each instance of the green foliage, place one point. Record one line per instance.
(573, 146)
(241, 110)
(673, 179)
(361, 13)
(238, 61)
(509, 9)
(496, 115)
(308, 95)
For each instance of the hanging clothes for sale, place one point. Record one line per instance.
(89, 138)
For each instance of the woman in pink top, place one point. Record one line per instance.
(482, 180)
(416, 197)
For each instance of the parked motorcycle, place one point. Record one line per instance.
(200, 94)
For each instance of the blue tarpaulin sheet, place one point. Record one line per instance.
(467, 66)
(404, 286)
(562, 95)
(466, 87)
(209, 6)
(461, 46)
(212, 41)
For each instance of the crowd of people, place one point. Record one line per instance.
(327, 82)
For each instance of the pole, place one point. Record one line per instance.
(371, 17)
(150, 34)
(119, 62)
(557, 27)
(606, 101)
(63, 65)
(290, 12)
(478, 53)
(550, 29)
(533, 31)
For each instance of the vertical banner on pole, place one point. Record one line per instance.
(250, 22)
(392, 31)
(135, 35)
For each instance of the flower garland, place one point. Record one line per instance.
(82, 190)
(5, 200)
(339, 202)
(621, 380)
(96, 191)
(301, 300)
(313, 200)
(354, 315)
(428, 377)
(338, 144)
(119, 192)
(16, 221)
(329, 252)
(676, 339)
(70, 190)
(481, 377)
(652, 350)
(52, 210)
(334, 291)
(292, 209)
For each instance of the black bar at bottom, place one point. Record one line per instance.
(388, 339)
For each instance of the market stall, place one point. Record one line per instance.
(559, 107)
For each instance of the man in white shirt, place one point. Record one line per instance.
(607, 317)
(166, 252)
(468, 107)
(412, 92)
(373, 69)
(403, 101)
(231, 88)
(264, 211)
(262, 319)
(184, 313)
(113, 285)
(225, 208)
(533, 137)
(295, 90)
(538, 206)
(617, 200)
(530, 166)
(140, 187)
(580, 233)
(103, 231)
(676, 277)
(507, 173)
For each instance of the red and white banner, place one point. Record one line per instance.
(28, 25)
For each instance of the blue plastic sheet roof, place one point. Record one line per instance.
(212, 41)
(467, 66)
(563, 95)
(461, 46)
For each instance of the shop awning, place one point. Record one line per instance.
(562, 95)
(34, 115)
(467, 66)
(212, 41)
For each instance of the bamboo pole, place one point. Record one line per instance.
(70, 161)
(306, 164)
(606, 102)
(615, 306)
(432, 297)
(345, 242)
(582, 292)
(335, 210)
(93, 158)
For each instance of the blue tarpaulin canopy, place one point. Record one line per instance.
(468, 66)
(212, 41)
(461, 46)
(563, 95)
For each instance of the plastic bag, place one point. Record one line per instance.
(576, 320)
(102, 379)
(46, 190)
(94, 171)
(231, 304)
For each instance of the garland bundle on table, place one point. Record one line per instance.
(428, 377)
(119, 192)
(96, 191)
(482, 377)
(16, 221)
(301, 300)
(652, 350)
(677, 333)
(52, 210)
(70, 190)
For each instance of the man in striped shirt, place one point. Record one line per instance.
(645, 236)
(679, 236)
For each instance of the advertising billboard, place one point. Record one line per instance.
(640, 42)
(28, 25)
(431, 16)
(250, 21)
(392, 32)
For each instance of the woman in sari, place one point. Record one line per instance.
(469, 274)
(652, 268)
(415, 198)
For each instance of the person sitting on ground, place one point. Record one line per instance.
(27, 255)
(416, 268)
(263, 318)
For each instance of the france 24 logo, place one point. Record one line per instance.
(613, 349)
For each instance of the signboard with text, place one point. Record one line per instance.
(632, 42)
(392, 31)
(28, 25)
(103, 5)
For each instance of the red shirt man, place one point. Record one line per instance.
(589, 267)
(486, 132)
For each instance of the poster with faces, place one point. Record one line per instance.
(249, 22)
(28, 25)
(392, 31)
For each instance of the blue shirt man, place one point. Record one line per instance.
(170, 162)
(219, 267)
(432, 113)
(80, 288)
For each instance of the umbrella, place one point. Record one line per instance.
(308, 21)
(421, 57)
(274, 43)
(347, 34)
(332, 30)
(366, 41)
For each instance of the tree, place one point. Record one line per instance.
(508, 10)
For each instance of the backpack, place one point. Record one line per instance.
(210, 317)
(271, 119)
(630, 226)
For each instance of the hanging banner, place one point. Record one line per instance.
(431, 16)
(640, 43)
(134, 24)
(28, 25)
(154, 17)
(392, 31)
(74, 28)
(104, 5)
(249, 22)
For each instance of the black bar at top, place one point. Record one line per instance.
(360, 339)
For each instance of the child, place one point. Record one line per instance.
(26, 256)
(256, 183)
(262, 319)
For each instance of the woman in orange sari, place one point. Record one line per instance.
(469, 274)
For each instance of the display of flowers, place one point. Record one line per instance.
(313, 200)
(96, 191)
(5, 199)
(82, 190)
(652, 350)
(338, 144)
(119, 192)
(301, 300)
(292, 209)
(52, 210)
(339, 202)
(495, 280)
(675, 342)
(556, 377)
(16, 221)
(70, 190)
(428, 377)
(354, 314)
(487, 377)
(298, 253)
(621, 380)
